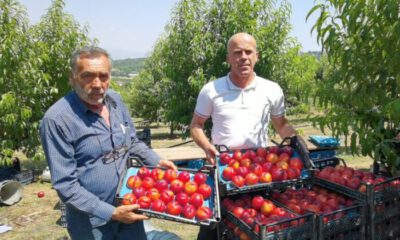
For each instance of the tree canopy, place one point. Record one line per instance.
(34, 71)
(193, 51)
(360, 90)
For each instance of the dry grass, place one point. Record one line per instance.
(35, 218)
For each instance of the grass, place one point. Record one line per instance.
(33, 217)
(36, 218)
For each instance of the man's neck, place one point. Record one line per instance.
(95, 107)
(100, 109)
(242, 82)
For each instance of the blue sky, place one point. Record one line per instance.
(130, 28)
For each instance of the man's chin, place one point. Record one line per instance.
(96, 101)
(245, 74)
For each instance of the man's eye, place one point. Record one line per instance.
(86, 75)
(104, 77)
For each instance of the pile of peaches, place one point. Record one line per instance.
(263, 165)
(351, 178)
(257, 210)
(317, 200)
(171, 192)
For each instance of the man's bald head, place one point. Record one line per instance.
(240, 37)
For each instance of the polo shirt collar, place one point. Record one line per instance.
(232, 86)
(108, 100)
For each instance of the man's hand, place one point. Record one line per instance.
(196, 130)
(211, 152)
(167, 164)
(126, 214)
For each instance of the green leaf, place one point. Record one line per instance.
(313, 9)
(393, 110)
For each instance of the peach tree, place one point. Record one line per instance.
(192, 51)
(33, 72)
(360, 90)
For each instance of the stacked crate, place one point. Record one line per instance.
(369, 211)
(381, 196)
(325, 153)
(346, 222)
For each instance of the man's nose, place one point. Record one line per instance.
(96, 82)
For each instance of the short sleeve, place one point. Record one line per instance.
(204, 104)
(278, 103)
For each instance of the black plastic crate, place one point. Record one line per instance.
(351, 224)
(344, 223)
(385, 221)
(225, 232)
(380, 168)
(7, 173)
(145, 136)
(382, 201)
(227, 188)
(324, 153)
(25, 177)
(299, 227)
(324, 162)
(213, 202)
(62, 221)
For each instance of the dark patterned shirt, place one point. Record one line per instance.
(87, 157)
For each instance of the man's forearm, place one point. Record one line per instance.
(282, 127)
(199, 137)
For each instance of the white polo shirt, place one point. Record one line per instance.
(240, 116)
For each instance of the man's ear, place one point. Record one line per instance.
(70, 79)
(227, 61)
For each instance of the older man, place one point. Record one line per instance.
(87, 137)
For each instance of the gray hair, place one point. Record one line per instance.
(87, 51)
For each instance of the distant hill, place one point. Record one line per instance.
(316, 54)
(125, 67)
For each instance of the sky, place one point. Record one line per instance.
(130, 28)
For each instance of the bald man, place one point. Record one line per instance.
(241, 105)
